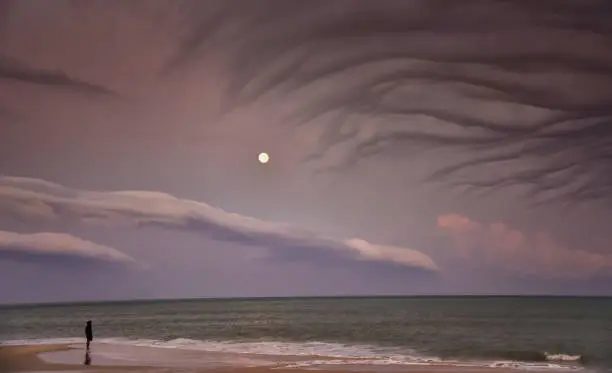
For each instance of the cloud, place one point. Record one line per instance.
(501, 81)
(13, 70)
(499, 247)
(34, 199)
(63, 248)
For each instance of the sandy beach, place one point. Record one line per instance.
(25, 358)
(67, 358)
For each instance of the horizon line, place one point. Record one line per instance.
(290, 297)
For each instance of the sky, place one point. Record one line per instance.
(416, 147)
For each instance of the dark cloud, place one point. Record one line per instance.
(505, 81)
(12, 70)
(33, 199)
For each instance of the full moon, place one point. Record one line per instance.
(263, 157)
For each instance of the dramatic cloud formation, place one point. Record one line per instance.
(503, 83)
(49, 248)
(379, 116)
(26, 198)
(497, 246)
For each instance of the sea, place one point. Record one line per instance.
(522, 333)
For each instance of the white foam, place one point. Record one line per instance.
(382, 361)
(323, 349)
(531, 365)
(43, 342)
(562, 357)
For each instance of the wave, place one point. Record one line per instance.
(537, 356)
(313, 349)
(312, 354)
(41, 341)
(564, 357)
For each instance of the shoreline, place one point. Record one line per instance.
(68, 358)
(27, 358)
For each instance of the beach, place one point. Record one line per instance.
(69, 358)
(306, 334)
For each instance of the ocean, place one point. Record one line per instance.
(530, 333)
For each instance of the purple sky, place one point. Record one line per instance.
(416, 147)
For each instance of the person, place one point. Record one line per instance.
(88, 333)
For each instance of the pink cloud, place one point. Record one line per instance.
(498, 246)
(47, 245)
(31, 199)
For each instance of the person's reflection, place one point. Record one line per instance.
(87, 358)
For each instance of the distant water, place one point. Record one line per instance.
(521, 332)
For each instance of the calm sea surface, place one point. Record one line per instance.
(542, 333)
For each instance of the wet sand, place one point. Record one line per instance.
(30, 359)
(66, 358)
(25, 358)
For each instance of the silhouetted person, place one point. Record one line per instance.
(88, 333)
(87, 358)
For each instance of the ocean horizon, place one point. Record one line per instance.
(507, 331)
(288, 297)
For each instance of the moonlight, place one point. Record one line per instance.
(263, 158)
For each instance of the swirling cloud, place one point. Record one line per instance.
(509, 83)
